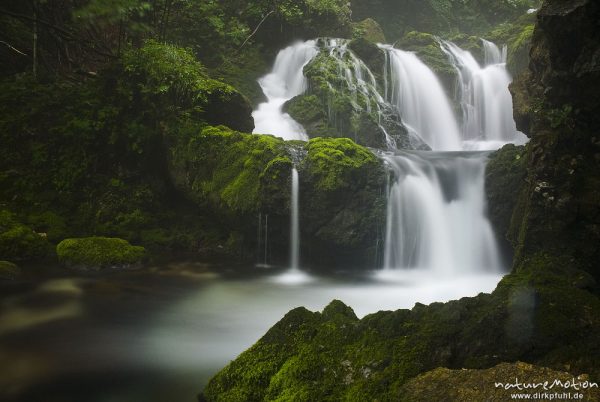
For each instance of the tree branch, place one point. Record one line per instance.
(12, 48)
(255, 29)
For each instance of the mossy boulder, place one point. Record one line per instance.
(333, 107)
(369, 30)
(19, 242)
(98, 253)
(9, 270)
(342, 204)
(242, 177)
(546, 313)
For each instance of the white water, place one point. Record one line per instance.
(486, 103)
(285, 81)
(436, 214)
(295, 223)
(418, 95)
(359, 81)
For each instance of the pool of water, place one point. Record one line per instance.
(160, 334)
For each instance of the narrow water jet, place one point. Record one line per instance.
(294, 223)
(285, 81)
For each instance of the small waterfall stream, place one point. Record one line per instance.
(285, 81)
(294, 223)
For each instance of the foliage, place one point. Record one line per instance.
(19, 242)
(98, 252)
(333, 162)
(8, 270)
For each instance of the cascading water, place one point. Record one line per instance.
(295, 223)
(285, 81)
(486, 103)
(436, 214)
(418, 95)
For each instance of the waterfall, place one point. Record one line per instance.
(417, 93)
(436, 213)
(294, 223)
(285, 81)
(486, 103)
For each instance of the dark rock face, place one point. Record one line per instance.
(556, 104)
(505, 176)
(342, 204)
(230, 109)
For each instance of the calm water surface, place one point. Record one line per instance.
(160, 334)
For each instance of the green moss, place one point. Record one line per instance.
(224, 166)
(19, 242)
(517, 36)
(544, 313)
(8, 270)
(334, 162)
(98, 252)
(369, 30)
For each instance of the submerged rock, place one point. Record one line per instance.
(96, 253)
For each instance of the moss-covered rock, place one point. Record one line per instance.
(19, 242)
(241, 176)
(335, 107)
(546, 313)
(516, 35)
(498, 383)
(9, 270)
(95, 253)
(369, 30)
(342, 204)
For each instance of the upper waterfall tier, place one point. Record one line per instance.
(486, 103)
(391, 100)
(414, 90)
(285, 81)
